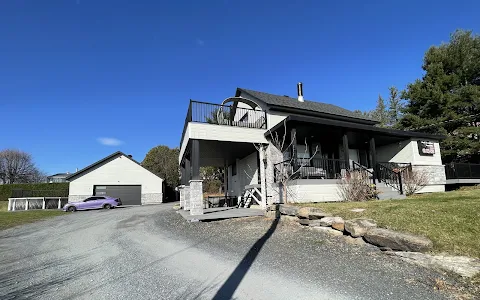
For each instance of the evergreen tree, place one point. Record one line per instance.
(446, 100)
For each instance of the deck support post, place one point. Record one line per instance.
(196, 184)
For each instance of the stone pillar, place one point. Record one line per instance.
(186, 195)
(196, 197)
(181, 191)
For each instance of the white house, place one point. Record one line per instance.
(117, 175)
(321, 142)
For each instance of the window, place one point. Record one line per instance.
(234, 169)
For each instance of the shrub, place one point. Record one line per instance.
(356, 186)
(413, 181)
(35, 190)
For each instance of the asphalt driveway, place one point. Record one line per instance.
(150, 252)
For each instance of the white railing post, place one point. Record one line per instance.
(10, 200)
(26, 203)
(59, 203)
(43, 203)
(14, 204)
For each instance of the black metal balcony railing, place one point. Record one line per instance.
(210, 113)
(462, 171)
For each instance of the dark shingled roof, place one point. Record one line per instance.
(103, 161)
(319, 107)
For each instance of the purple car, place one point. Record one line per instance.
(93, 203)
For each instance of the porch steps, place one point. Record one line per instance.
(387, 192)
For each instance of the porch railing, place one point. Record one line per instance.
(210, 113)
(315, 168)
(462, 171)
(391, 174)
(359, 167)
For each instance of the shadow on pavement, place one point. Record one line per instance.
(229, 287)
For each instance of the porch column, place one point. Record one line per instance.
(181, 191)
(293, 138)
(373, 153)
(196, 184)
(346, 155)
(263, 185)
(186, 189)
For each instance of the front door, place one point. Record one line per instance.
(353, 156)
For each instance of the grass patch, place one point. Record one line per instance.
(11, 219)
(451, 220)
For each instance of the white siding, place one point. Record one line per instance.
(119, 171)
(201, 131)
(407, 151)
(312, 190)
(247, 173)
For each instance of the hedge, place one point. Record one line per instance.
(35, 190)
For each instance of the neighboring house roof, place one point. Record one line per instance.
(312, 106)
(61, 175)
(102, 162)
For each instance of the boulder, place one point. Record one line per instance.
(327, 221)
(328, 230)
(317, 215)
(358, 227)
(288, 210)
(304, 222)
(338, 224)
(354, 241)
(397, 240)
(314, 223)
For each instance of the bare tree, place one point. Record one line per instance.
(287, 169)
(18, 167)
(414, 181)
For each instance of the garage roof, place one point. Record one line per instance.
(102, 162)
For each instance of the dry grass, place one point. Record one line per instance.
(451, 220)
(11, 219)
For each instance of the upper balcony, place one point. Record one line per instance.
(223, 124)
(216, 114)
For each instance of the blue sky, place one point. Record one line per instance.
(75, 71)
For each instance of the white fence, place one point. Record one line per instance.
(36, 203)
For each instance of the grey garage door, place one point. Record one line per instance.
(129, 194)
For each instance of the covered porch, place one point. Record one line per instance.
(239, 183)
(320, 148)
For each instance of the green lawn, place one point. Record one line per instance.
(10, 219)
(451, 220)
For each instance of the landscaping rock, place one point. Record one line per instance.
(463, 266)
(318, 215)
(338, 224)
(357, 209)
(304, 212)
(327, 221)
(358, 227)
(314, 223)
(304, 222)
(354, 241)
(288, 210)
(397, 240)
(328, 230)
(289, 218)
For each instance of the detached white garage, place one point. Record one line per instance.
(119, 176)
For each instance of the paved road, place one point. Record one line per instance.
(150, 252)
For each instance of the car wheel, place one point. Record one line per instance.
(71, 209)
(107, 206)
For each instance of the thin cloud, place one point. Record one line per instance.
(109, 141)
(200, 42)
